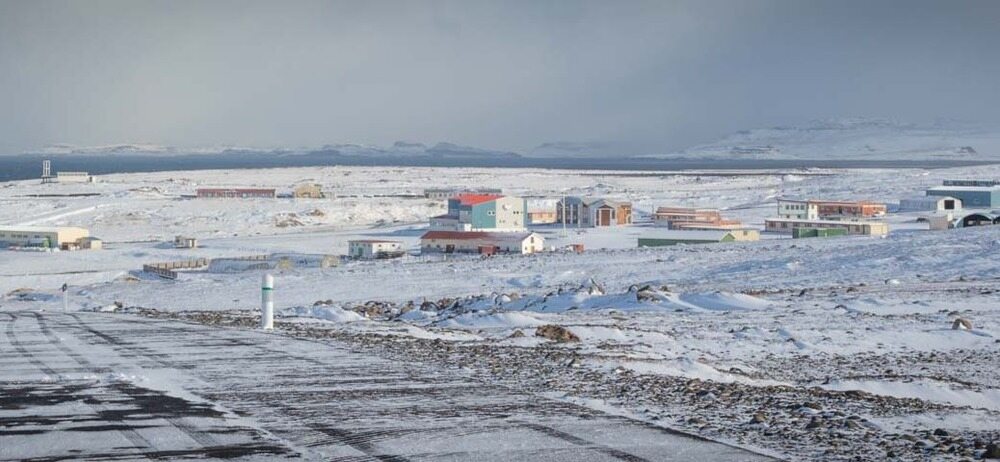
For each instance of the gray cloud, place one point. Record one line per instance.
(650, 76)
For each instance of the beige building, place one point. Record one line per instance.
(48, 237)
(542, 217)
(788, 225)
(308, 191)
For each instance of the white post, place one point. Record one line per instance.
(65, 292)
(267, 302)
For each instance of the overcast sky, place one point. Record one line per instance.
(652, 76)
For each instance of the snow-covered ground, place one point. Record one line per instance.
(809, 349)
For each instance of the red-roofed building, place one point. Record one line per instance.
(236, 193)
(473, 199)
(481, 242)
(482, 212)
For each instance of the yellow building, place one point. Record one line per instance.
(36, 236)
(308, 191)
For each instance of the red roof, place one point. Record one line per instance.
(454, 235)
(469, 235)
(473, 199)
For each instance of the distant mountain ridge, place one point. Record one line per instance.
(399, 148)
(830, 139)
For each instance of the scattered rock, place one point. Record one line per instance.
(992, 451)
(516, 334)
(961, 323)
(557, 333)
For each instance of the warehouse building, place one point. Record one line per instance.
(668, 238)
(851, 209)
(930, 204)
(236, 193)
(986, 183)
(481, 242)
(800, 233)
(863, 228)
(48, 237)
(444, 194)
(693, 219)
(972, 197)
(818, 209)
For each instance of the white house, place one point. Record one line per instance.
(370, 249)
(930, 204)
(797, 209)
(481, 242)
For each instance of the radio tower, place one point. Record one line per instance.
(46, 171)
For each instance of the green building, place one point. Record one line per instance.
(799, 233)
(668, 238)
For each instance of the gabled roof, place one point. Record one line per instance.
(591, 201)
(471, 235)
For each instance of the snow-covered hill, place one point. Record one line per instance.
(856, 139)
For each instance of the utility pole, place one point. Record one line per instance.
(564, 215)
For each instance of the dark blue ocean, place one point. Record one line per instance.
(23, 167)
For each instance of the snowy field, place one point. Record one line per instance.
(823, 349)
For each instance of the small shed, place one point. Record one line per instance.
(371, 249)
(90, 243)
(182, 242)
(308, 191)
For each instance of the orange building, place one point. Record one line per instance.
(856, 209)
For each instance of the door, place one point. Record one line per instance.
(450, 248)
(604, 217)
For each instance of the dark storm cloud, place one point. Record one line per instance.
(652, 76)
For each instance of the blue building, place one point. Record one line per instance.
(973, 197)
(482, 212)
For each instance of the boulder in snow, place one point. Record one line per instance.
(961, 323)
(557, 333)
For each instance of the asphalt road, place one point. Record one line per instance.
(91, 386)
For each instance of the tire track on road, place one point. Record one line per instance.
(140, 442)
